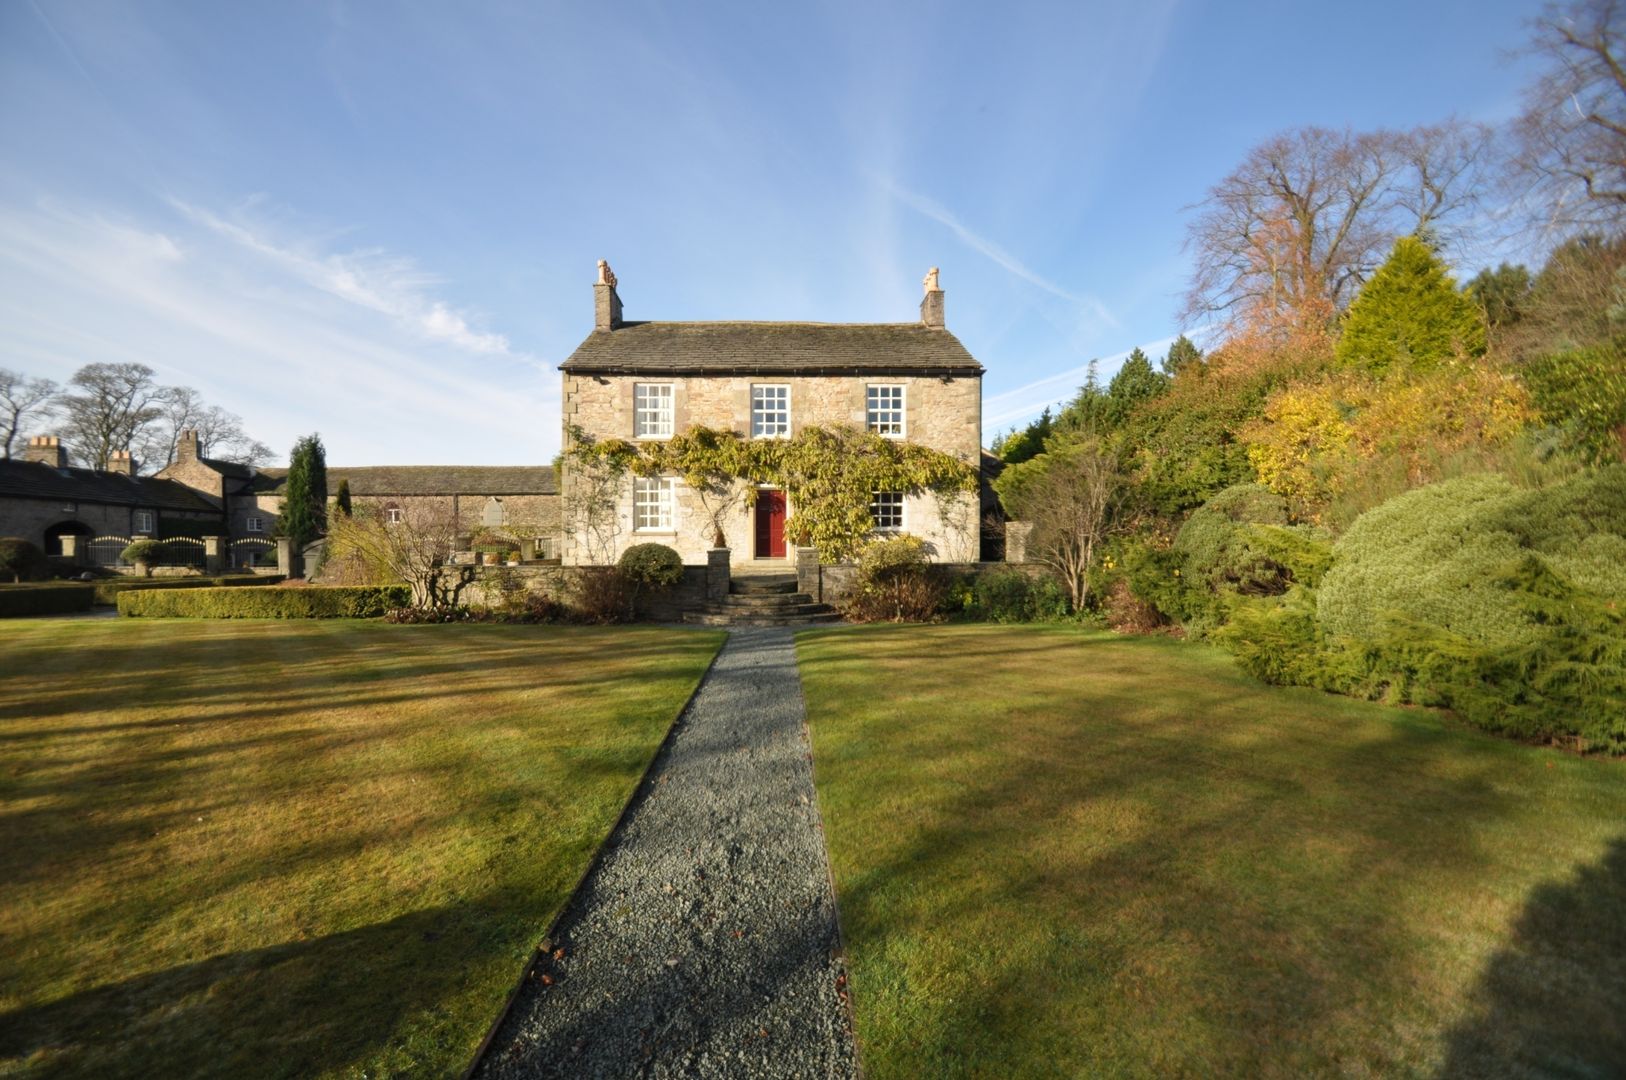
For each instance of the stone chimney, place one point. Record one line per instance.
(120, 461)
(931, 306)
(186, 447)
(46, 450)
(606, 303)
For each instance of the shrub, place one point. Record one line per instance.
(1239, 544)
(313, 602)
(1434, 555)
(142, 553)
(1583, 394)
(107, 592)
(1008, 595)
(1127, 613)
(1409, 314)
(44, 600)
(601, 595)
(22, 560)
(649, 567)
(895, 583)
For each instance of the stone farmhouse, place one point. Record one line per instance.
(645, 381)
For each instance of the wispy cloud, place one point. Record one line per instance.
(390, 284)
(993, 251)
(293, 341)
(1023, 402)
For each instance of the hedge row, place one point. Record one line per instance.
(107, 592)
(43, 600)
(311, 602)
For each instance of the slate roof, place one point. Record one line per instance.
(772, 348)
(32, 480)
(374, 480)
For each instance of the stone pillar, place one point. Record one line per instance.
(312, 557)
(807, 573)
(287, 560)
(716, 575)
(214, 555)
(1016, 541)
(72, 553)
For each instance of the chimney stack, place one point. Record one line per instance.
(606, 302)
(46, 450)
(120, 461)
(186, 447)
(931, 306)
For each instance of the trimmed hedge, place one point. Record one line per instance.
(107, 592)
(311, 602)
(44, 600)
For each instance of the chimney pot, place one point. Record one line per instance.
(606, 301)
(46, 450)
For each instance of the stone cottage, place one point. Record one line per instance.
(646, 381)
(65, 510)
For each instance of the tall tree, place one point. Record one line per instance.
(108, 407)
(1134, 383)
(341, 501)
(304, 495)
(182, 408)
(21, 398)
(1072, 494)
(1570, 142)
(1284, 242)
(1181, 356)
(1503, 295)
(1410, 315)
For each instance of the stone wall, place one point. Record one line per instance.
(944, 414)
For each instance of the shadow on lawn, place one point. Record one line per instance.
(1197, 887)
(1553, 1001)
(297, 1009)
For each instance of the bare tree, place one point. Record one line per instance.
(21, 397)
(108, 407)
(1286, 240)
(1569, 164)
(592, 481)
(414, 549)
(182, 408)
(1073, 497)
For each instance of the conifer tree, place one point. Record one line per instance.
(341, 502)
(1409, 315)
(1134, 383)
(1182, 354)
(304, 498)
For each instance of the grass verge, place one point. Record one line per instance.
(317, 849)
(1065, 853)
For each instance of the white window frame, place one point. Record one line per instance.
(877, 406)
(254, 524)
(393, 515)
(766, 406)
(649, 419)
(654, 504)
(144, 521)
(875, 498)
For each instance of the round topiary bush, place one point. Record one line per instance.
(1220, 549)
(651, 566)
(141, 553)
(22, 560)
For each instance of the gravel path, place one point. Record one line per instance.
(704, 943)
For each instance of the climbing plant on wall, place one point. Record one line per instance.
(829, 474)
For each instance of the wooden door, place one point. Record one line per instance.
(770, 525)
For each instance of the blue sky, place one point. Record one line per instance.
(380, 221)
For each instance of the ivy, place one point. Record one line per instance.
(829, 475)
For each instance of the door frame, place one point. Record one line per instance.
(756, 527)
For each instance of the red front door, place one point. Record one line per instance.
(770, 524)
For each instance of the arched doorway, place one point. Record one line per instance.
(54, 535)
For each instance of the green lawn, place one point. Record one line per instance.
(1067, 853)
(300, 848)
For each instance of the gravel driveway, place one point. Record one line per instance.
(704, 943)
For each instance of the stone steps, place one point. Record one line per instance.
(763, 600)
